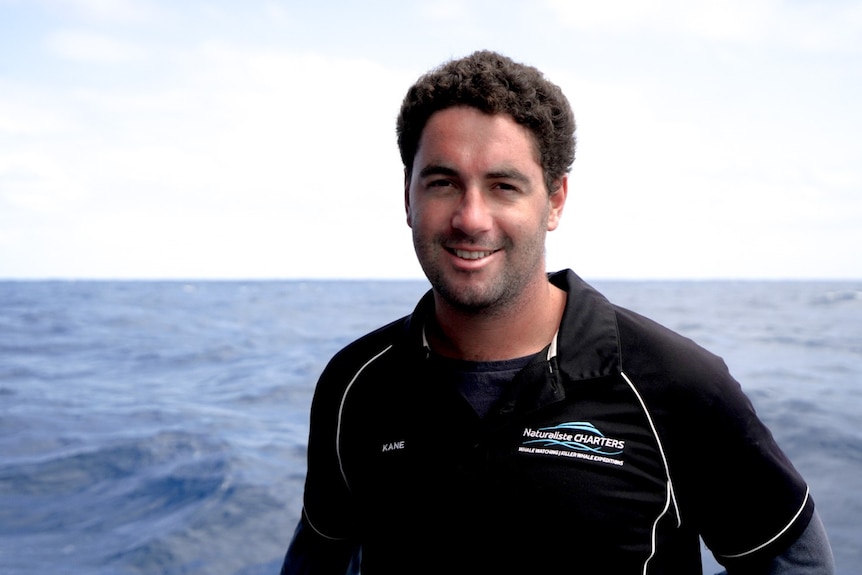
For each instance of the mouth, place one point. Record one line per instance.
(471, 254)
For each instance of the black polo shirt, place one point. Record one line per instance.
(612, 451)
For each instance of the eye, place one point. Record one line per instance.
(440, 184)
(506, 187)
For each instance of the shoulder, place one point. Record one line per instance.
(374, 358)
(723, 461)
(640, 334)
(688, 390)
(364, 351)
(368, 358)
(659, 356)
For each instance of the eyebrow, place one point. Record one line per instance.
(434, 170)
(501, 174)
(508, 174)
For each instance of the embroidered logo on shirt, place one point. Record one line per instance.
(578, 439)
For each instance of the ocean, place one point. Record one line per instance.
(160, 427)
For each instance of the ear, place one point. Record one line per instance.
(407, 209)
(557, 201)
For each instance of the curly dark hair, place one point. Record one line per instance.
(494, 84)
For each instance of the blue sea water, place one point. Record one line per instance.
(160, 427)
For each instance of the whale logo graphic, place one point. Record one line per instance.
(574, 436)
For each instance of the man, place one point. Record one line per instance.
(518, 422)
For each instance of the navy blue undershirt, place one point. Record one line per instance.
(481, 383)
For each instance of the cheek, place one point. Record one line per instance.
(424, 216)
(413, 215)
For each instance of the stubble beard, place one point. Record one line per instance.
(494, 296)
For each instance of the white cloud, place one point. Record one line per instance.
(90, 47)
(278, 163)
(445, 10)
(108, 10)
(824, 26)
(664, 187)
(27, 112)
(38, 182)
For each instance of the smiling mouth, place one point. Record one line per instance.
(472, 255)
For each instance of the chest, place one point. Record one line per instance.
(585, 468)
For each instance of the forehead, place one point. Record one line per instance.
(466, 133)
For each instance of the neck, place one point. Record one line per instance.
(522, 329)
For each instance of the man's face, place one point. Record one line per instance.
(479, 209)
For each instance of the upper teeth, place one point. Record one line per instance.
(471, 255)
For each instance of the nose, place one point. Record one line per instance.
(472, 215)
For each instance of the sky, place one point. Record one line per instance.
(255, 139)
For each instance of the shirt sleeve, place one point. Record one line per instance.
(753, 502)
(732, 482)
(324, 541)
(310, 553)
(327, 500)
(810, 554)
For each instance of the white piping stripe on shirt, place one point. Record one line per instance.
(318, 531)
(552, 349)
(658, 442)
(653, 545)
(341, 409)
(779, 534)
(670, 495)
